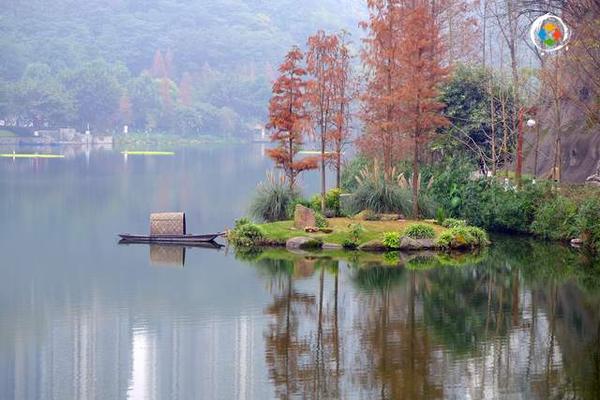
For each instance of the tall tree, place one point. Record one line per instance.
(381, 58)
(96, 92)
(421, 74)
(343, 95)
(288, 118)
(321, 65)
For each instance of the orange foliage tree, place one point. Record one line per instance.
(321, 65)
(403, 54)
(421, 73)
(288, 117)
(380, 107)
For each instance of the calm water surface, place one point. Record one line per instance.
(82, 317)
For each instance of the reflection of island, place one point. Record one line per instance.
(511, 322)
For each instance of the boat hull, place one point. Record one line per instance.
(169, 239)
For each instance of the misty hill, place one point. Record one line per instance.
(219, 55)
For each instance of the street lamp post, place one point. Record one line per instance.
(530, 124)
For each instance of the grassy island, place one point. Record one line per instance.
(351, 234)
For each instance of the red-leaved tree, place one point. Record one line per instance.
(381, 112)
(421, 73)
(288, 117)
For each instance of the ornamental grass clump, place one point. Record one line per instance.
(419, 231)
(273, 199)
(379, 193)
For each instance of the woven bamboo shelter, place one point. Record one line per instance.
(167, 223)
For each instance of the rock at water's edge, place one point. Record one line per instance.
(408, 243)
(303, 243)
(373, 245)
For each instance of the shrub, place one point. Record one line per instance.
(445, 239)
(242, 221)
(332, 201)
(272, 199)
(320, 220)
(588, 223)
(463, 236)
(419, 231)
(392, 239)
(427, 205)
(479, 235)
(246, 234)
(440, 215)
(349, 244)
(355, 230)
(556, 219)
(453, 223)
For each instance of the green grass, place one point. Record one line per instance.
(280, 232)
(4, 133)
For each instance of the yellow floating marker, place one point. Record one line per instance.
(148, 153)
(20, 155)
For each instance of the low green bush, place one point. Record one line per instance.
(392, 239)
(245, 234)
(320, 220)
(242, 221)
(272, 200)
(332, 202)
(419, 231)
(556, 219)
(349, 244)
(480, 236)
(588, 223)
(453, 223)
(462, 236)
(354, 232)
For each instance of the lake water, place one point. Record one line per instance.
(82, 317)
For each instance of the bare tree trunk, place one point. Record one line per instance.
(415, 179)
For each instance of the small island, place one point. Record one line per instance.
(365, 231)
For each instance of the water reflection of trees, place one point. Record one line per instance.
(523, 318)
(302, 341)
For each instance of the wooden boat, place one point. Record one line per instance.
(170, 239)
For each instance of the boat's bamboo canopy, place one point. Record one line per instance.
(167, 223)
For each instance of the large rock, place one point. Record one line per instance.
(373, 245)
(304, 217)
(408, 243)
(303, 243)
